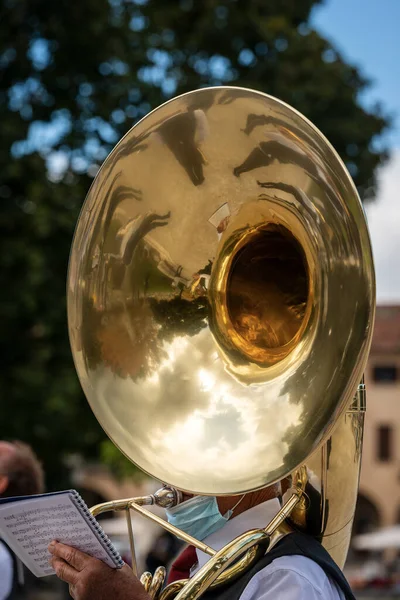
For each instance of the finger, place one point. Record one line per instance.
(64, 571)
(73, 557)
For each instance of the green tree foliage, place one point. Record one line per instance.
(74, 76)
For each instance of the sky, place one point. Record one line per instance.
(367, 34)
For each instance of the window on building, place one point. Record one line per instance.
(385, 434)
(384, 373)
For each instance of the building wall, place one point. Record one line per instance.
(380, 480)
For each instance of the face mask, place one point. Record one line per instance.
(199, 516)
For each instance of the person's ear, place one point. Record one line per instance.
(3, 483)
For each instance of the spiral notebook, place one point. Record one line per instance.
(29, 523)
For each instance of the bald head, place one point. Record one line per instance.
(7, 449)
(21, 473)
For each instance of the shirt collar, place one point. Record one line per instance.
(255, 518)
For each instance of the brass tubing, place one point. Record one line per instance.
(240, 566)
(200, 582)
(122, 504)
(172, 589)
(157, 582)
(131, 540)
(178, 532)
(228, 575)
(146, 580)
(283, 514)
(275, 531)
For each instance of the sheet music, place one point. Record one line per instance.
(30, 525)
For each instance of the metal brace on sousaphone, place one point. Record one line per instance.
(221, 301)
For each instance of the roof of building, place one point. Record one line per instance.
(386, 337)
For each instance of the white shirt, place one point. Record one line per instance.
(6, 572)
(285, 578)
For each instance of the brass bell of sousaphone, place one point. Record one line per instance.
(221, 300)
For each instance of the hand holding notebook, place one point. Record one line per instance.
(28, 524)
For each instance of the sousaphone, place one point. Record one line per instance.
(221, 302)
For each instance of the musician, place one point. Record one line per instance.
(21, 474)
(297, 568)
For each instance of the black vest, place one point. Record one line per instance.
(293, 544)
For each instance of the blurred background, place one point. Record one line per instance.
(74, 77)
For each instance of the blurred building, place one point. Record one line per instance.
(379, 497)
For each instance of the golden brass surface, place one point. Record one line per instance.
(221, 292)
(172, 589)
(118, 505)
(279, 533)
(202, 580)
(157, 582)
(146, 579)
(334, 475)
(283, 514)
(131, 540)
